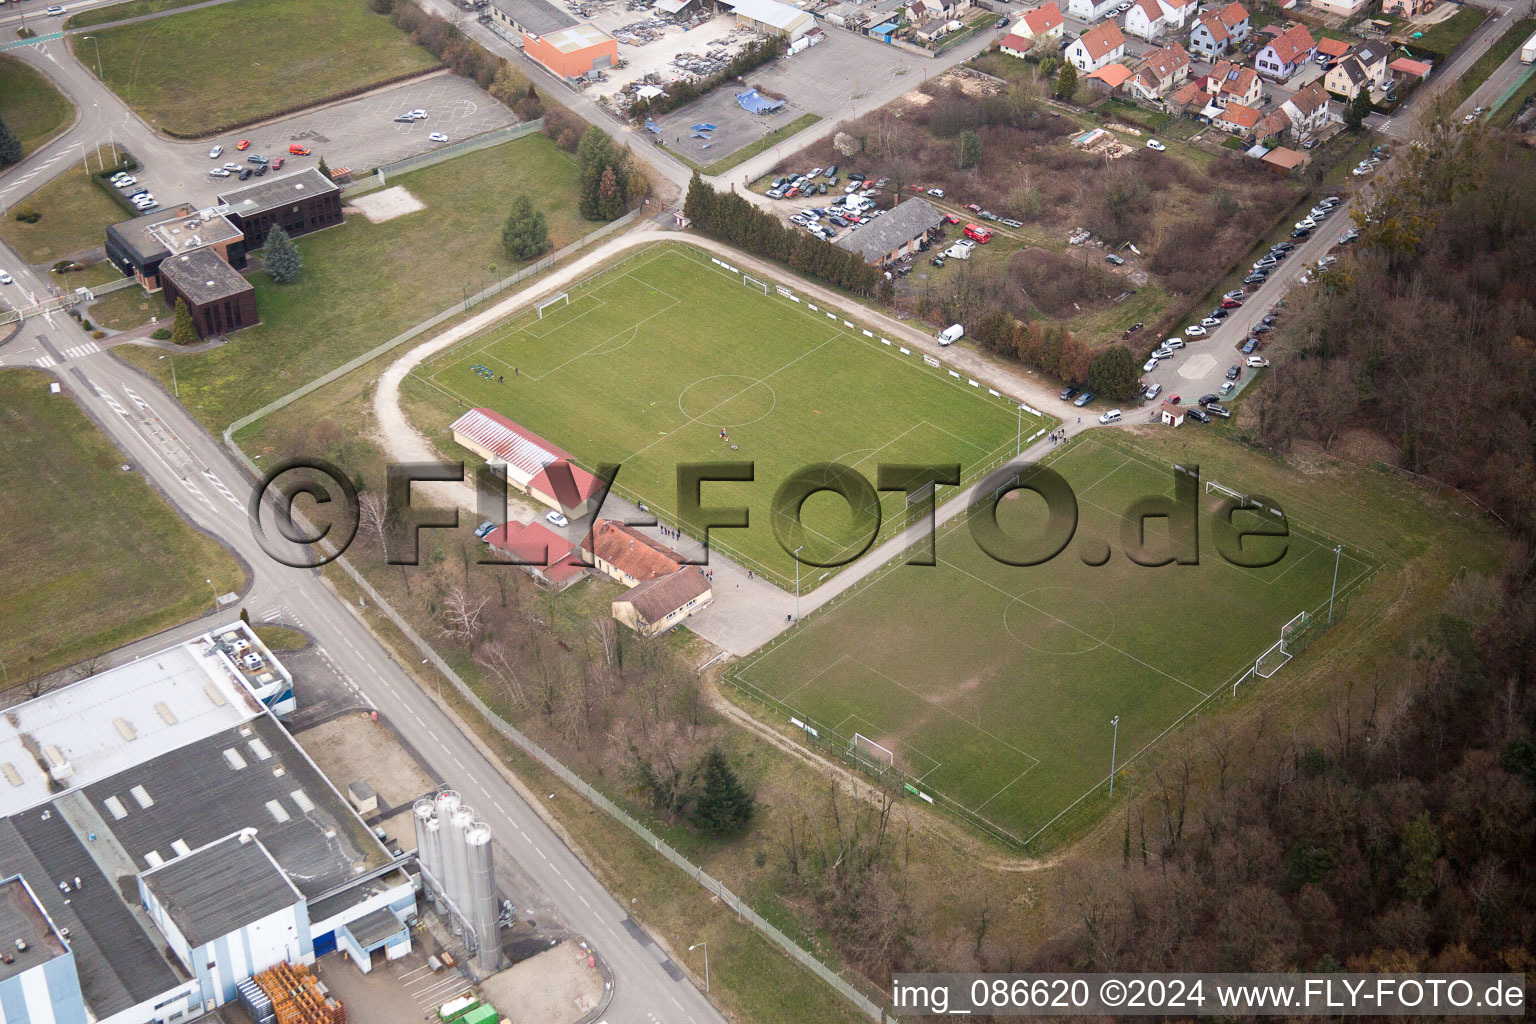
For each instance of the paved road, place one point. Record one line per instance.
(206, 485)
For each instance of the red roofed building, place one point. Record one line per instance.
(1110, 77)
(540, 552)
(534, 466)
(1287, 53)
(1044, 22)
(1334, 48)
(1103, 44)
(628, 555)
(1239, 119)
(1161, 72)
(1405, 70)
(1190, 97)
(1233, 83)
(1216, 32)
(1172, 415)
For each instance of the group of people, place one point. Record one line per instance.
(1058, 436)
(485, 373)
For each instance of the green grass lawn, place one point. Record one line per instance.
(124, 11)
(651, 359)
(364, 283)
(994, 686)
(1489, 62)
(75, 218)
(1446, 36)
(271, 56)
(768, 141)
(93, 556)
(30, 105)
(127, 309)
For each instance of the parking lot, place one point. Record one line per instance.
(735, 127)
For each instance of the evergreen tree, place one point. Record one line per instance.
(10, 145)
(1358, 110)
(1114, 374)
(182, 330)
(724, 806)
(970, 149)
(610, 201)
(323, 169)
(593, 155)
(280, 257)
(525, 234)
(1066, 82)
(699, 206)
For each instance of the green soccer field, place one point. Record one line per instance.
(993, 687)
(646, 364)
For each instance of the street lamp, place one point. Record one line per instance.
(695, 946)
(797, 581)
(1113, 744)
(215, 594)
(97, 44)
(174, 386)
(1338, 553)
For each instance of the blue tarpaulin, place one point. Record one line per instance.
(753, 103)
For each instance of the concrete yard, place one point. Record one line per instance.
(656, 55)
(736, 127)
(554, 987)
(353, 746)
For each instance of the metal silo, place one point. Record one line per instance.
(458, 824)
(481, 906)
(448, 805)
(434, 831)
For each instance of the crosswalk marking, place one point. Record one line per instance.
(219, 486)
(45, 361)
(200, 495)
(117, 406)
(80, 351)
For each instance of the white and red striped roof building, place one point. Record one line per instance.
(535, 466)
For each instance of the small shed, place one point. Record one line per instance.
(364, 799)
(1172, 415)
(1283, 161)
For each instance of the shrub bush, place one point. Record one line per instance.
(161, 334)
(27, 215)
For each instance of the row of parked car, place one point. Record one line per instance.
(790, 186)
(259, 164)
(142, 199)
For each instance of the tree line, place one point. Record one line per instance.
(464, 56)
(730, 218)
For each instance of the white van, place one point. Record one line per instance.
(951, 334)
(957, 252)
(1257, 362)
(1113, 416)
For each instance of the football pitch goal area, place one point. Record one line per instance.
(993, 690)
(671, 358)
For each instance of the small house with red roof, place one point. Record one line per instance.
(534, 466)
(1172, 415)
(1287, 53)
(540, 552)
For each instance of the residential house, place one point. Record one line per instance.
(934, 28)
(926, 10)
(1161, 72)
(1103, 44)
(1342, 8)
(1308, 111)
(1275, 125)
(1332, 48)
(1407, 8)
(1287, 53)
(1150, 18)
(1015, 45)
(1239, 119)
(1109, 78)
(1042, 23)
(1216, 32)
(1233, 83)
(1364, 67)
(1090, 10)
(661, 603)
(1189, 98)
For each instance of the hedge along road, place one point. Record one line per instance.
(743, 618)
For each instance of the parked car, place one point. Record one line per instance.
(1113, 416)
(1219, 313)
(1162, 352)
(1150, 364)
(1068, 393)
(438, 137)
(1195, 331)
(262, 169)
(1174, 343)
(1282, 247)
(215, 152)
(1011, 223)
(219, 172)
(1250, 345)
(1218, 410)
(1155, 146)
(126, 181)
(256, 158)
(1227, 387)
(6, 278)
(1236, 293)
(1256, 278)
(1083, 399)
(1231, 303)
(245, 174)
(1116, 260)
(1301, 233)
(404, 119)
(419, 114)
(973, 207)
(557, 519)
(936, 192)
(1208, 399)
(484, 530)
(243, 145)
(54, 11)
(1210, 322)
(1348, 236)
(1198, 414)
(277, 164)
(1233, 372)
(1151, 391)
(298, 150)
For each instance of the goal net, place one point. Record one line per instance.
(1271, 660)
(563, 299)
(752, 282)
(869, 750)
(1213, 486)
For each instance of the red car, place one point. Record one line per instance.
(298, 150)
(916, 188)
(1231, 303)
(1174, 400)
(950, 218)
(973, 207)
(243, 144)
(277, 164)
(978, 234)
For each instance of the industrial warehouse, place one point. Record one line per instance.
(164, 840)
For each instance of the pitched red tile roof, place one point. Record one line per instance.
(539, 547)
(1240, 114)
(1286, 158)
(1113, 75)
(631, 551)
(1309, 97)
(1166, 61)
(1332, 47)
(528, 452)
(1151, 8)
(655, 599)
(1017, 43)
(1188, 93)
(1233, 78)
(1274, 124)
(1294, 42)
(1043, 19)
(1417, 68)
(1103, 38)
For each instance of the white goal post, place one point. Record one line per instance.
(1212, 485)
(867, 747)
(563, 298)
(752, 282)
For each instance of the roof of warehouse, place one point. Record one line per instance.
(94, 728)
(251, 776)
(271, 193)
(22, 917)
(521, 448)
(895, 228)
(769, 12)
(119, 965)
(216, 890)
(374, 927)
(536, 16)
(577, 37)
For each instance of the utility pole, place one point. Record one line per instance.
(797, 581)
(1113, 745)
(1337, 555)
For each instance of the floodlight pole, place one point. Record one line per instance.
(1114, 744)
(1337, 555)
(1019, 440)
(797, 581)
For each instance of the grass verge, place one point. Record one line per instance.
(363, 283)
(1445, 37)
(75, 214)
(94, 557)
(30, 105)
(124, 11)
(127, 309)
(272, 56)
(1489, 62)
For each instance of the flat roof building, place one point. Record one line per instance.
(530, 17)
(300, 202)
(572, 53)
(219, 300)
(137, 247)
(172, 774)
(771, 18)
(37, 977)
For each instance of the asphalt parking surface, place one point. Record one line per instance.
(735, 127)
